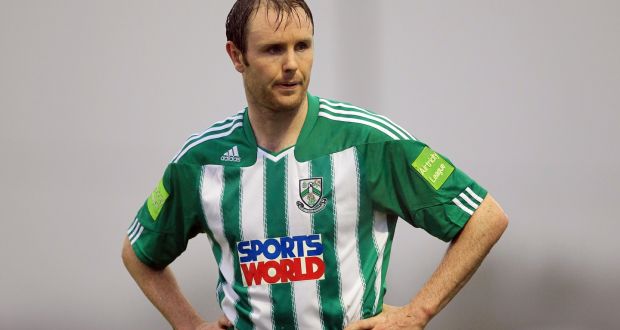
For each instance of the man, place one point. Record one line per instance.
(299, 197)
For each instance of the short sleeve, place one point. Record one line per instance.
(169, 217)
(412, 181)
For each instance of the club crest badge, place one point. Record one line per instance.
(311, 193)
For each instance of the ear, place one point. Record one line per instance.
(235, 56)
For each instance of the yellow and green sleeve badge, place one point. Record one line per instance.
(432, 167)
(157, 199)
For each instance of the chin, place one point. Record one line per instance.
(289, 103)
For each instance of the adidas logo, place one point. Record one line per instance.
(231, 155)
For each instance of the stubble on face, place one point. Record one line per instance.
(278, 60)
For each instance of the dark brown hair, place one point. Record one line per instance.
(242, 10)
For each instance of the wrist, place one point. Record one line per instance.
(422, 313)
(191, 322)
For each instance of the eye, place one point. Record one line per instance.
(302, 46)
(274, 49)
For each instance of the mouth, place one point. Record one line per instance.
(288, 85)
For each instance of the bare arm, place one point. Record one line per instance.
(460, 262)
(162, 290)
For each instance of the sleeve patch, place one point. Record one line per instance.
(432, 167)
(157, 199)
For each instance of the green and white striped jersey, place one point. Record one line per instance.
(302, 238)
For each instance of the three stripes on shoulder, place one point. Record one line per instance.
(468, 196)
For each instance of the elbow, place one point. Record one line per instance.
(498, 220)
(502, 222)
(127, 253)
(132, 262)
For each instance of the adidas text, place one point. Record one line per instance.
(231, 158)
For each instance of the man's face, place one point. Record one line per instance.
(278, 60)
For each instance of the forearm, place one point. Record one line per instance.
(462, 259)
(161, 288)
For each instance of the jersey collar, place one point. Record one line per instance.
(309, 122)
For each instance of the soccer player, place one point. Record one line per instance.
(300, 195)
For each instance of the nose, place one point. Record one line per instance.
(290, 63)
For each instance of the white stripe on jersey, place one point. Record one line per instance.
(359, 121)
(134, 231)
(211, 190)
(473, 194)
(218, 126)
(344, 165)
(468, 201)
(233, 125)
(252, 183)
(137, 235)
(306, 296)
(344, 105)
(215, 127)
(463, 207)
(365, 115)
(133, 225)
(263, 154)
(380, 236)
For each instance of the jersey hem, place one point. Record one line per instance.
(145, 259)
(453, 232)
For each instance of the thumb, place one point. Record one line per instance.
(362, 324)
(223, 322)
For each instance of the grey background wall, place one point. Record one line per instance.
(96, 97)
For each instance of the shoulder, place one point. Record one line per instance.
(341, 125)
(368, 125)
(208, 146)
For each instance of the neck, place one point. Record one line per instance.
(277, 130)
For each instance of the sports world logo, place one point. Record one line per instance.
(281, 260)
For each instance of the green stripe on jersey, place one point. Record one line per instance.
(276, 221)
(368, 252)
(386, 260)
(231, 216)
(324, 223)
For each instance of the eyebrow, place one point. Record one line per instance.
(275, 43)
